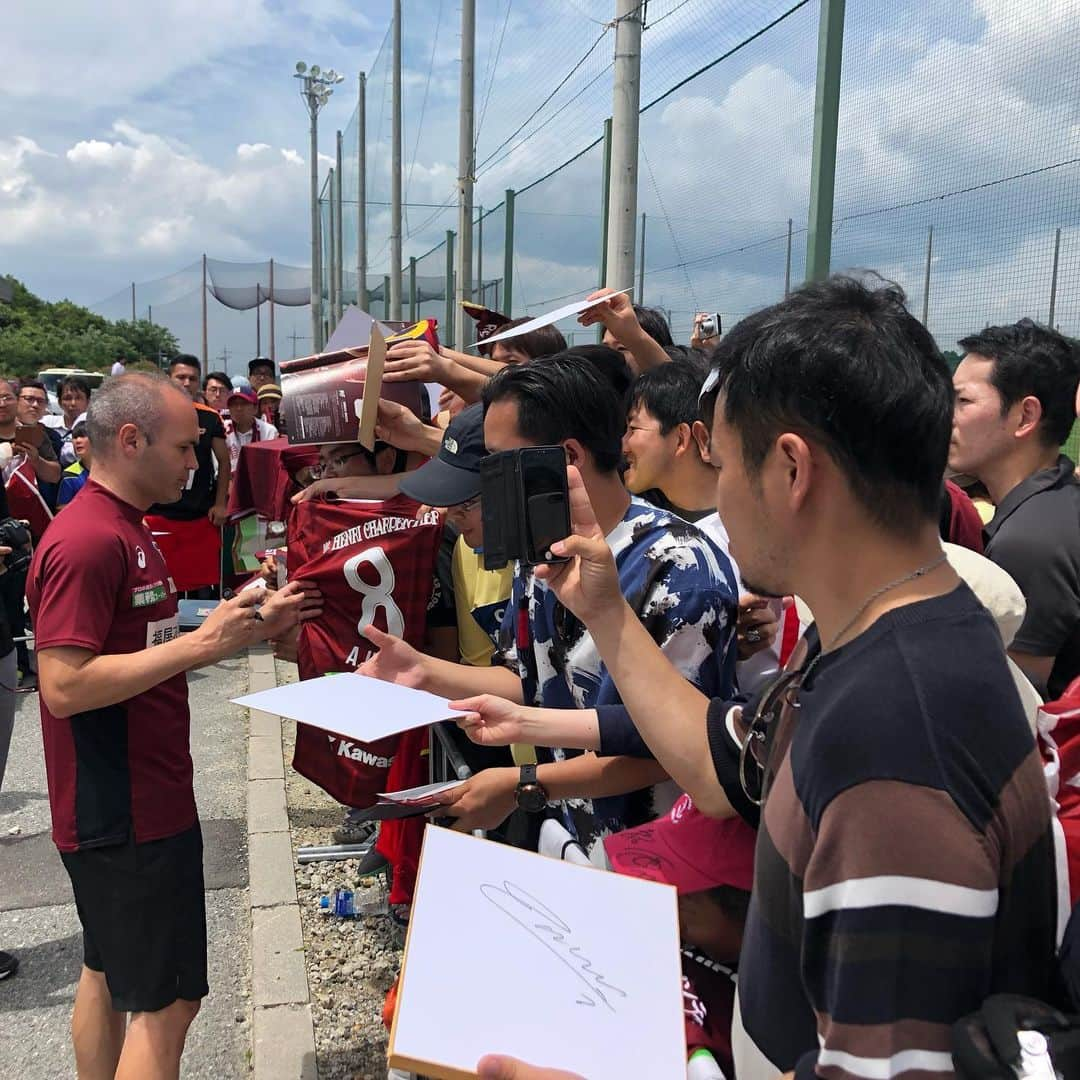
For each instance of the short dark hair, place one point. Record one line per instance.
(849, 366)
(558, 398)
(220, 377)
(261, 362)
(73, 382)
(670, 392)
(653, 322)
(185, 360)
(1032, 360)
(33, 384)
(609, 362)
(544, 341)
(79, 431)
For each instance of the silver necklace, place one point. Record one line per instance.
(876, 594)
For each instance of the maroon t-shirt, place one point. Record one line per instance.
(98, 582)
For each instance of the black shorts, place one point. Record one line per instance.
(143, 913)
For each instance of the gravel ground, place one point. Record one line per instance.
(351, 963)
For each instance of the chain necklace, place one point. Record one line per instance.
(876, 594)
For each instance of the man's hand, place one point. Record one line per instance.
(343, 487)
(617, 315)
(401, 427)
(268, 571)
(412, 361)
(484, 801)
(757, 625)
(218, 515)
(589, 583)
(232, 625)
(284, 609)
(501, 1067)
(491, 720)
(33, 454)
(396, 661)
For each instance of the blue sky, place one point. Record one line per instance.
(135, 136)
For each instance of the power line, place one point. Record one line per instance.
(423, 103)
(566, 78)
(667, 221)
(492, 69)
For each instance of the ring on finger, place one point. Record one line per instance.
(753, 636)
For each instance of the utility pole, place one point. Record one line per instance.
(273, 338)
(622, 226)
(133, 301)
(258, 319)
(361, 196)
(331, 262)
(1054, 278)
(316, 87)
(205, 358)
(339, 271)
(826, 113)
(395, 175)
(641, 267)
(466, 170)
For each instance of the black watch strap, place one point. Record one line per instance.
(527, 775)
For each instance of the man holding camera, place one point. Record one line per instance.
(115, 725)
(679, 583)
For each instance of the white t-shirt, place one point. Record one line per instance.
(118, 368)
(260, 432)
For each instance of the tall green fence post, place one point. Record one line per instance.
(448, 291)
(508, 257)
(412, 289)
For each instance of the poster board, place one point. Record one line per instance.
(563, 966)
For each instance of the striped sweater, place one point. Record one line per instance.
(904, 862)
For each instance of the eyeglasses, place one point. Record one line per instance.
(337, 462)
(466, 506)
(7, 399)
(782, 694)
(37, 402)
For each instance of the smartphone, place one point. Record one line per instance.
(30, 434)
(545, 501)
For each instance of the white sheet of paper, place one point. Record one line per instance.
(576, 308)
(564, 966)
(355, 706)
(418, 794)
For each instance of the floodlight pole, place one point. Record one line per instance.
(466, 173)
(395, 174)
(361, 197)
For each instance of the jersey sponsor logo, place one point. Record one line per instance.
(148, 595)
(162, 630)
(451, 444)
(358, 753)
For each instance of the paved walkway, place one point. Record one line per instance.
(37, 916)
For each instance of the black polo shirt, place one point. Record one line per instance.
(1035, 536)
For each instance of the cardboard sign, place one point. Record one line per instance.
(563, 966)
(369, 410)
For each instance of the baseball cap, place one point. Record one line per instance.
(686, 849)
(260, 361)
(242, 395)
(453, 476)
(271, 391)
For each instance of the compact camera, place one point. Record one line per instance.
(709, 325)
(15, 535)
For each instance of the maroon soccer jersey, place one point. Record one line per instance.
(374, 563)
(99, 583)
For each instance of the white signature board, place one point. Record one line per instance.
(563, 966)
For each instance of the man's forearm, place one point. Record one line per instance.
(49, 471)
(482, 365)
(592, 777)
(573, 729)
(647, 351)
(451, 680)
(467, 384)
(668, 711)
(71, 683)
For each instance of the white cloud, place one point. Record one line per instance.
(140, 192)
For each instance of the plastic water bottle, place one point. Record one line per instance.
(702, 1066)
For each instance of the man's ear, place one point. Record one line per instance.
(684, 439)
(575, 453)
(384, 460)
(128, 438)
(701, 437)
(794, 461)
(1028, 416)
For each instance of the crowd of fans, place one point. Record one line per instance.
(779, 641)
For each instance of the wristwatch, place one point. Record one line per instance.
(529, 793)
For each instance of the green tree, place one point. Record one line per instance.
(36, 334)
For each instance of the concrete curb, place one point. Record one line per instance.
(283, 1036)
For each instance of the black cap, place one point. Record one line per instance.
(260, 361)
(454, 476)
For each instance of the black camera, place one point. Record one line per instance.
(15, 535)
(526, 506)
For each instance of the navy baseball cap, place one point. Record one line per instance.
(454, 475)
